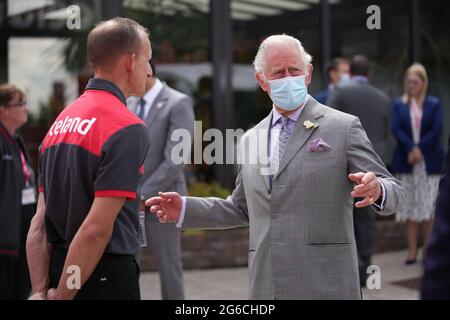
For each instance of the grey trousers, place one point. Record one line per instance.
(165, 241)
(364, 225)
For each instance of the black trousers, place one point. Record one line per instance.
(116, 277)
(15, 281)
(364, 224)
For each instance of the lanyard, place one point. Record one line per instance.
(25, 170)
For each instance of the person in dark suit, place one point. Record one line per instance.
(436, 279)
(417, 125)
(372, 107)
(338, 72)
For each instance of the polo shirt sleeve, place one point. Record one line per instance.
(121, 163)
(40, 179)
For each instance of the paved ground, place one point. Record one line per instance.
(397, 281)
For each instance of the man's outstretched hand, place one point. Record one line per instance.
(167, 206)
(367, 187)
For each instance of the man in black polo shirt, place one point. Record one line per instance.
(84, 237)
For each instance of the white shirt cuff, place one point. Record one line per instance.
(183, 210)
(383, 201)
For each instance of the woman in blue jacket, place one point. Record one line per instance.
(417, 124)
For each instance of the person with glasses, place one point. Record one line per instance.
(17, 196)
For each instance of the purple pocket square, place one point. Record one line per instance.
(318, 145)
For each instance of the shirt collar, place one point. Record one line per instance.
(151, 94)
(5, 132)
(108, 86)
(293, 116)
(360, 79)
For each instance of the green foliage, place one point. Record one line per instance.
(203, 189)
(181, 37)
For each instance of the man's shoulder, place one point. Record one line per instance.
(174, 94)
(432, 100)
(131, 135)
(322, 96)
(334, 116)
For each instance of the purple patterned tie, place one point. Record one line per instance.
(280, 147)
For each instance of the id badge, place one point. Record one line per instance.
(28, 196)
(142, 233)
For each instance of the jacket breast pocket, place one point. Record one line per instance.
(329, 232)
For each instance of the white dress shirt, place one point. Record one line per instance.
(150, 97)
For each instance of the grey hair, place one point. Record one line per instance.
(277, 40)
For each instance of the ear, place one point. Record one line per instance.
(309, 75)
(130, 62)
(262, 82)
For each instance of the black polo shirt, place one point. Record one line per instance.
(95, 148)
(12, 182)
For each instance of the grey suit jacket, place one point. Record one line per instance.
(171, 110)
(372, 107)
(302, 243)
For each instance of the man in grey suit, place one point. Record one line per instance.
(164, 110)
(297, 197)
(372, 107)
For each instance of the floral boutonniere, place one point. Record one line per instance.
(310, 125)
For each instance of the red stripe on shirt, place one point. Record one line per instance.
(110, 116)
(10, 252)
(130, 195)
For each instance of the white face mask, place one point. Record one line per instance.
(344, 78)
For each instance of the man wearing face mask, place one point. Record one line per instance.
(372, 107)
(297, 197)
(338, 72)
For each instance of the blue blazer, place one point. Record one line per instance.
(436, 279)
(430, 136)
(322, 96)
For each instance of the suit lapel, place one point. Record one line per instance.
(301, 134)
(157, 105)
(263, 155)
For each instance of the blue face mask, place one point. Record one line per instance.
(344, 79)
(288, 93)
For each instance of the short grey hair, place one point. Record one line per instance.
(278, 40)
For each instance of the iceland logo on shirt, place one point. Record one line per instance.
(72, 125)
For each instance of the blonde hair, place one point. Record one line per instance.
(419, 70)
